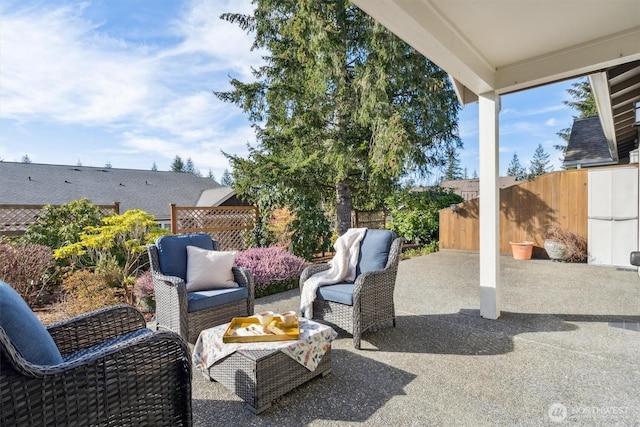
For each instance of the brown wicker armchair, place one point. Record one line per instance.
(175, 308)
(368, 301)
(144, 380)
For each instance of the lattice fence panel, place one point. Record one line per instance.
(370, 219)
(229, 225)
(15, 219)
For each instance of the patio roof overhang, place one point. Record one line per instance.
(504, 46)
(494, 47)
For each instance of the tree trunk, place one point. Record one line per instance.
(343, 207)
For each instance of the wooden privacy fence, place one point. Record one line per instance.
(229, 225)
(526, 210)
(15, 219)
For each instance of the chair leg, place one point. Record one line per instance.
(356, 341)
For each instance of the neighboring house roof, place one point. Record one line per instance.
(470, 188)
(587, 144)
(151, 191)
(215, 196)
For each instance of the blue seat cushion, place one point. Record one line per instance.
(172, 252)
(374, 250)
(107, 344)
(27, 334)
(201, 300)
(340, 292)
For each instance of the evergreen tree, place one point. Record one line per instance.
(211, 175)
(540, 163)
(177, 165)
(26, 159)
(154, 167)
(475, 175)
(107, 165)
(79, 163)
(342, 108)
(453, 170)
(227, 179)
(191, 168)
(516, 169)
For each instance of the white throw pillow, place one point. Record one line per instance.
(209, 269)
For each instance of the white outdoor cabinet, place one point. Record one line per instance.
(612, 215)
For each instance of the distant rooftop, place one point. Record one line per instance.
(469, 189)
(151, 191)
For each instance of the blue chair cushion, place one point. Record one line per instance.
(374, 250)
(172, 252)
(107, 344)
(27, 334)
(340, 292)
(201, 300)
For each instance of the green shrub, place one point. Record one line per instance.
(311, 230)
(116, 248)
(416, 216)
(419, 251)
(58, 226)
(27, 268)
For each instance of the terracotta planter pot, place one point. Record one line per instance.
(521, 250)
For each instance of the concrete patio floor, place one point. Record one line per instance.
(566, 350)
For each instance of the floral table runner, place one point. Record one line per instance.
(315, 339)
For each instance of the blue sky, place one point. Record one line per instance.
(129, 83)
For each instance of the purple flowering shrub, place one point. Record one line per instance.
(272, 268)
(143, 285)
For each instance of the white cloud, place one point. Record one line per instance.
(54, 67)
(60, 66)
(205, 33)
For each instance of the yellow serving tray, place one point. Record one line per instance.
(290, 332)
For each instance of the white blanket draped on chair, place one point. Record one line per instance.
(343, 268)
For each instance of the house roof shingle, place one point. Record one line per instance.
(587, 144)
(151, 191)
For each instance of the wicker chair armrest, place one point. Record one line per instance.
(242, 276)
(311, 270)
(176, 285)
(149, 348)
(371, 280)
(92, 328)
(170, 280)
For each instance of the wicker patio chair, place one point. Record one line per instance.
(176, 308)
(112, 371)
(368, 301)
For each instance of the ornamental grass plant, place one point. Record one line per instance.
(576, 246)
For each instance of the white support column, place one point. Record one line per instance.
(489, 108)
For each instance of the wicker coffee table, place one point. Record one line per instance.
(259, 376)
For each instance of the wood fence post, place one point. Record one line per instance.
(174, 219)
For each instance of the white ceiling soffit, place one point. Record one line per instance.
(510, 45)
